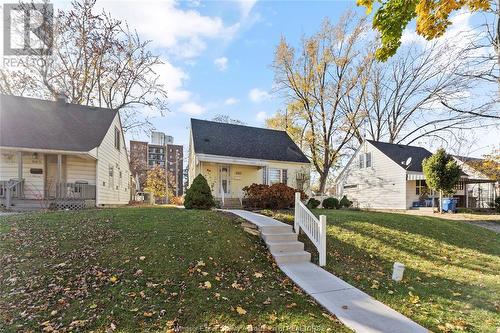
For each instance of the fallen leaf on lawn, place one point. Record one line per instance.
(200, 263)
(291, 305)
(134, 310)
(240, 310)
(142, 257)
(206, 285)
(273, 317)
(258, 275)
(53, 312)
(267, 301)
(93, 306)
(456, 294)
(113, 279)
(391, 292)
(147, 314)
(204, 273)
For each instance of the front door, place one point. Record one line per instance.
(224, 185)
(51, 175)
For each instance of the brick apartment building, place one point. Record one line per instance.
(161, 151)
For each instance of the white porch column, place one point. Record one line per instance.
(466, 195)
(59, 176)
(20, 188)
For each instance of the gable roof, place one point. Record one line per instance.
(231, 140)
(400, 153)
(41, 124)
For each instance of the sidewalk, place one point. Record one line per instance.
(354, 308)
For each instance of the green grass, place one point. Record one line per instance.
(452, 276)
(143, 269)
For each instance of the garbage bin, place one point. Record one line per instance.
(449, 205)
(446, 204)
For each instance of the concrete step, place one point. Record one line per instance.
(291, 257)
(284, 237)
(276, 229)
(275, 247)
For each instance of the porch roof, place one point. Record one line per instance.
(463, 178)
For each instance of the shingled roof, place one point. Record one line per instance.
(400, 153)
(231, 140)
(41, 124)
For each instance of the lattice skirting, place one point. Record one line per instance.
(71, 204)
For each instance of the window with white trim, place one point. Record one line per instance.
(277, 176)
(420, 187)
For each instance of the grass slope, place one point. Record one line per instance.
(452, 276)
(143, 269)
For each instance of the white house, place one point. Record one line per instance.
(389, 176)
(61, 155)
(232, 156)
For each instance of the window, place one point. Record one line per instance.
(117, 138)
(459, 186)
(368, 160)
(277, 176)
(264, 175)
(111, 176)
(361, 161)
(420, 187)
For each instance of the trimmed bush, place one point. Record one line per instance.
(331, 203)
(313, 203)
(276, 196)
(199, 195)
(345, 203)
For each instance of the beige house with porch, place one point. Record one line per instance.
(59, 155)
(233, 156)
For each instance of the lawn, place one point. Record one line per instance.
(452, 276)
(144, 269)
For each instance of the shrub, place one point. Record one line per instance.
(178, 201)
(331, 203)
(345, 203)
(199, 195)
(276, 196)
(497, 204)
(313, 203)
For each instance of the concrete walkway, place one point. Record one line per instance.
(354, 308)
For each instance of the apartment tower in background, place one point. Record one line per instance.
(161, 151)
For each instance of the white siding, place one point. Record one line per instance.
(79, 169)
(381, 186)
(411, 193)
(33, 183)
(115, 190)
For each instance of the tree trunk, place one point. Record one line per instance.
(440, 201)
(322, 182)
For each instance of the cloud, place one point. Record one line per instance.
(192, 108)
(183, 32)
(246, 6)
(173, 79)
(221, 63)
(256, 95)
(261, 116)
(231, 101)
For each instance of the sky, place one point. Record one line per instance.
(217, 55)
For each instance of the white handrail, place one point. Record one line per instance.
(222, 193)
(314, 229)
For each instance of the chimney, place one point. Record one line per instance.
(61, 99)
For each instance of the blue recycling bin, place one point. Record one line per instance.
(449, 205)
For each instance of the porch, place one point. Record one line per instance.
(469, 193)
(45, 180)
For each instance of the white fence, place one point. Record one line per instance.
(314, 229)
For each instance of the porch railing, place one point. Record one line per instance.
(75, 191)
(314, 229)
(11, 189)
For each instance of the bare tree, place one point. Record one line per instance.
(423, 92)
(223, 118)
(96, 61)
(323, 83)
